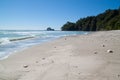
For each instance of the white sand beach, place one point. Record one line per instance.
(94, 56)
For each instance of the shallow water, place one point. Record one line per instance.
(15, 40)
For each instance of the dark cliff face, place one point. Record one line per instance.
(50, 29)
(109, 20)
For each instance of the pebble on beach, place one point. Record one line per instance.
(65, 38)
(109, 51)
(103, 45)
(95, 52)
(118, 75)
(36, 61)
(52, 61)
(25, 66)
(43, 58)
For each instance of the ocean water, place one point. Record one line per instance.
(15, 40)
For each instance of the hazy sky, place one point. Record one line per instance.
(40, 14)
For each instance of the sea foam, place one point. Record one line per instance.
(15, 40)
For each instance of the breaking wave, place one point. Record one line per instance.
(9, 40)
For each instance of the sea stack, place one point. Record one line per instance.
(50, 29)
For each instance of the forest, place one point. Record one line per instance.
(108, 20)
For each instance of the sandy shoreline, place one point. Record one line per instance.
(81, 57)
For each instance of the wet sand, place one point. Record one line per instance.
(94, 56)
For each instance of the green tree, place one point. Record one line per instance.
(109, 20)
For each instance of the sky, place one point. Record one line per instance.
(40, 14)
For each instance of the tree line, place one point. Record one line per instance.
(109, 20)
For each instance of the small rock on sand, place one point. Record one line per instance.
(105, 40)
(52, 61)
(103, 45)
(75, 66)
(43, 58)
(36, 61)
(25, 66)
(109, 51)
(118, 75)
(95, 52)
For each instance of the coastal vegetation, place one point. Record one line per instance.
(108, 20)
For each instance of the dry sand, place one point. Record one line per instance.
(82, 57)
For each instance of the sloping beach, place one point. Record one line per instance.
(94, 56)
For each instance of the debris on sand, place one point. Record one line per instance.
(36, 61)
(95, 52)
(25, 66)
(43, 58)
(118, 75)
(109, 51)
(103, 45)
(65, 39)
(52, 61)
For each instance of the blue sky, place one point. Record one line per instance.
(40, 14)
